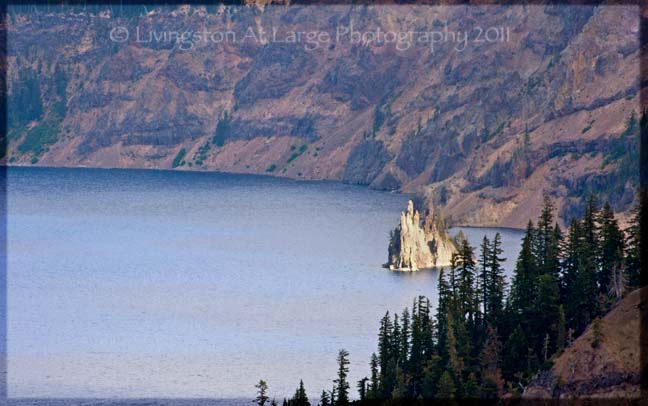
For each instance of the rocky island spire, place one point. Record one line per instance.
(413, 246)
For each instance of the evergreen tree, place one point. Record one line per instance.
(485, 257)
(372, 390)
(547, 241)
(405, 338)
(524, 279)
(443, 307)
(515, 356)
(456, 362)
(572, 294)
(496, 283)
(387, 378)
(633, 249)
(324, 399)
(362, 388)
(588, 265)
(491, 359)
(611, 253)
(300, 398)
(262, 393)
(471, 388)
(431, 375)
(545, 320)
(401, 388)
(342, 384)
(446, 388)
(561, 334)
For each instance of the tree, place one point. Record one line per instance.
(515, 356)
(611, 253)
(325, 400)
(547, 241)
(385, 347)
(362, 388)
(300, 398)
(633, 249)
(446, 388)
(456, 361)
(484, 275)
(523, 286)
(490, 360)
(404, 338)
(496, 283)
(262, 390)
(596, 333)
(561, 334)
(443, 307)
(471, 389)
(222, 129)
(545, 320)
(571, 291)
(431, 376)
(374, 384)
(342, 385)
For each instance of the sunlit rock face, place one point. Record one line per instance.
(415, 246)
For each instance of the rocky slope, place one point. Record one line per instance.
(484, 127)
(610, 370)
(415, 246)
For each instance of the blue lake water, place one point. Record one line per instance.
(160, 284)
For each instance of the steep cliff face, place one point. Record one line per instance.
(484, 126)
(609, 370)
(415, 246)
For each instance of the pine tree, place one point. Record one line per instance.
(401, 388)
(362, 388)
(431, 375)
(544, 236)
(325, 400)
(405, 338)
(572, 294)
(387, 372)
(491, 359)
(446, 388)
(524, 279)
(471, 388)
(633, 249)
(374, 384)
(611, 252)
(545, 320)
(300, 398)
(342, 384)
(560, 334)
(496, 283)
(588, 265)
(515, 356)
(485, 258)
(443, 307)
(456, 361)
(262, 390)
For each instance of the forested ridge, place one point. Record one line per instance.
(486, 339)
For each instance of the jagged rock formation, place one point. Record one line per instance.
(413, 246)
(610, 370)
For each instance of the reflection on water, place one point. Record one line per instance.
(170, 284)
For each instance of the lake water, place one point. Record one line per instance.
(160, 284)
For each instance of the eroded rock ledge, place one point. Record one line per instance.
(414, 246)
